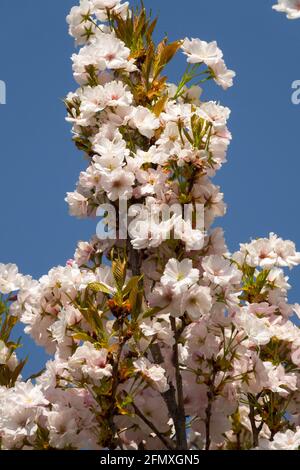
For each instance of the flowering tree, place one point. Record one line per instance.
(163, 339)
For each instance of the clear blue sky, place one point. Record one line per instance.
(39, 163)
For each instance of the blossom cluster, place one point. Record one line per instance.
(290, 7)
(156, 342)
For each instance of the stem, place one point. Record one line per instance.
(255, 430)
(180, 426)
(208, 411)
(207, 421)
(238, 440)
(94, 23)
(170, 395)
(152, 427)
(134, 260)
(114, 390)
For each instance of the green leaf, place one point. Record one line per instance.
(133, 298)
(99, 287)
(7, 327)
(15, 374)
(165, 53)
(36, 375)
(83, 337)
(132, 284)
(5, 375)
(3, 308)
(136, 301)
(261, 278)
(119, 272)
(160, 105)
(151, 312)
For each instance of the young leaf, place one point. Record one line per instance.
(131, 285)
(160, 105)
(151, 312)
(100, 287)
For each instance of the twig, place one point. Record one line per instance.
(114, 388)
(170, 395)
(208, 420)
(181, 421)
(152, 427)
(134, 259)
(255, 430)
(238, 440)
(208, 411)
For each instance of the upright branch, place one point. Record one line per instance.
(256, 429)
(180, 422)
(208, 410)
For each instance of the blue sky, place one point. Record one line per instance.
(39, 163)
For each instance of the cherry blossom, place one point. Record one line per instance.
(290, 7)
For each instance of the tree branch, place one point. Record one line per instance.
(170, 395)
(134, 257)
(208, 421)
(114, 389)
(162, 438)
(255, 430)
(181, 420)
(208, 411)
